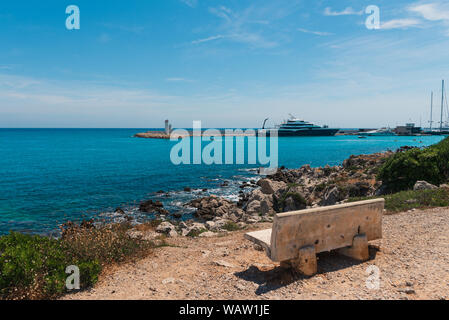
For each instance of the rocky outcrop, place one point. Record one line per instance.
(151, 206)
(211, 207)
(424, 185)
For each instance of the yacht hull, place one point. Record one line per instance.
(324, 132)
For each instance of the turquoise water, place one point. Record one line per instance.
(48, 176)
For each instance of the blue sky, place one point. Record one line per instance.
(228, 63)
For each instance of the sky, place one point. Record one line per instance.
(228, 63)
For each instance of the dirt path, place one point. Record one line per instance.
(413, 262)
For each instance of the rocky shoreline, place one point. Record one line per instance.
(259, 201)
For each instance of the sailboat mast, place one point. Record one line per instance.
(431, 111)
(442, 104)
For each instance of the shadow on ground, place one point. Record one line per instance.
(270, 279)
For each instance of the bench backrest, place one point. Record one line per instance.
(327, 228)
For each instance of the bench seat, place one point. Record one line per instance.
(347, 227)
(262, 238)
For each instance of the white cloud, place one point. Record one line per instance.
(400, 24)
(222, 12)
(190, 3)
(178, 80)
(318, 33)
(346, 12)
(248, 26)
(208, 39)
(431, 11)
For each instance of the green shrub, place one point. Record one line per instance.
(410, 199)
(195, 233)
(231, 226)
(320, 187)
(33, 267)
(403, 169)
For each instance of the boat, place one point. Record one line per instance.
(378, 132)
(295, 127)
(444, 125)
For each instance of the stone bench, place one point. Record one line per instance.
(296, 237)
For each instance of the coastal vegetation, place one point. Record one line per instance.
(412, 199)
(34, 267)
(403, 169)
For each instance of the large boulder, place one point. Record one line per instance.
(331, 197)
(270, 187)
(259, 203)
(167, 228)
(210, 207)
(424, 185)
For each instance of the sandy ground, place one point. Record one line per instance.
(412, 260)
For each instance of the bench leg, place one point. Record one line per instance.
(306, 262)
(358, 250)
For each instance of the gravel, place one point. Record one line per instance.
(412, 262)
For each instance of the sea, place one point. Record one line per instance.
(50, 176)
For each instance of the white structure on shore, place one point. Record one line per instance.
(168, 127)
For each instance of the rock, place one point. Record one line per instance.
(207, 234)
(269, 187)
(183, 225)
(150, 206)
(424, 185)
(252, 220)
(360, 189)
(187, 189)
(165, 227)
(294, 202)
(444, 186)
(168, 281)
(331, 197)
(119, 211)
(134, 234)
(150, 236)
(223, 263)
(172, 233)
(210, 207)
(259, 203)
(258, 247)
(407, 290)
(382, 190)
(158, 204)
(196, 226)
(240, 286)
(210, 225)
(177, 215)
